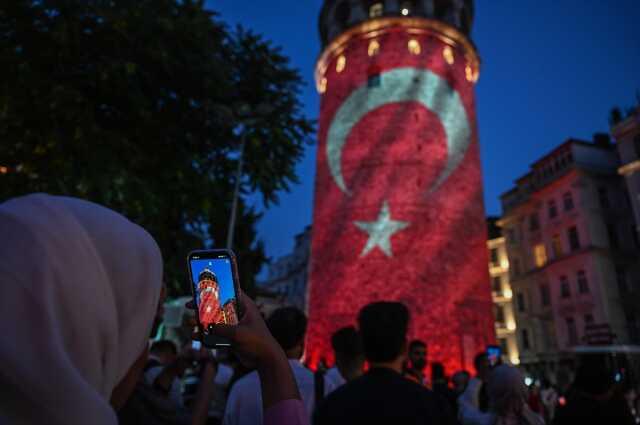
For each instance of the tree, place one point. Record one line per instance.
(134, 105)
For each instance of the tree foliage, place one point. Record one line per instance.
(139, 106)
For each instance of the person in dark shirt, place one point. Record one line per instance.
(383, 395)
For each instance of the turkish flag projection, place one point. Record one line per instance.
(398, 211)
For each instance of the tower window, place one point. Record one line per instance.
(414, 47)
(376, 10)
(341, 63)
(545, 294)
(447, 54)
(374, 48)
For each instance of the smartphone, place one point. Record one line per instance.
(494, 353)
(215, 287)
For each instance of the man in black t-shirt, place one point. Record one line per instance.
(383, 395)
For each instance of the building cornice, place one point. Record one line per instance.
(413, 26)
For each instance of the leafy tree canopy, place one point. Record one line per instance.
(141, 106)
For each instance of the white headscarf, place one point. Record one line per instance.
(508, 398)
(79, 287)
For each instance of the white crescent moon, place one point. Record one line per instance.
(402, 85)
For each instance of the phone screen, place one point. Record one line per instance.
(494, 354)
(214, 289)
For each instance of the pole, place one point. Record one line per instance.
(236, 192)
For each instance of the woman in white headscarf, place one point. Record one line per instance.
(79, 288)
(507, 401)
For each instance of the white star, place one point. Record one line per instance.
(380, 231)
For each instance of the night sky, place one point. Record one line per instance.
(550, 70)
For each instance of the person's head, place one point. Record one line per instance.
(506, 389)
(348, 349)
(482, 366)
(418, 354)
(288, 325)
(383, 326)
(460, 380)
(165, 351)
(592, 375)
(84, 284)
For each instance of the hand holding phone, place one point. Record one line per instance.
(215, 286)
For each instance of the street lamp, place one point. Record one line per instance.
(247, 117)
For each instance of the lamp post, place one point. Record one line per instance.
(248, 116)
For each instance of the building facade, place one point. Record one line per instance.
(627, 136)
(398, 182)
(502, 294)
(286, 283)
(573, 259)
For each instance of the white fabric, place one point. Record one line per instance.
(79, 287)
(244, 406)
(471, 394)
(335, 377)
(220, 391)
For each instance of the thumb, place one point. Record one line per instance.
(225, 331)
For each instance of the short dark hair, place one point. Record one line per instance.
(383, 326)
(288, 325)
(164, 346)
(479, 359)
(417, 343)
(347, 342)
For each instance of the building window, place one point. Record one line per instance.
(633, 324)
(494, 256)
(588, 319)
(621, 279)
(504, 348)
(552, 208)
(499, 310)
(540, 255)
(583, 283)
(545, 294)
(376, 10)
(524, 337)
(556, 246)
(567, 200)
(414, 47)
(565, 289)
(497, 285)
(534, 222)
(574, 238)
(520, 302)
(612, 231)
(603, 197)
(572, 331)
(515, 271)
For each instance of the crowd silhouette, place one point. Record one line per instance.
(82, 292)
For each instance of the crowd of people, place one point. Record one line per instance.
(82, 292)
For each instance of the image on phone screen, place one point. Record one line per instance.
(212, 280)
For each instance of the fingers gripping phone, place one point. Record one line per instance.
(215, 287)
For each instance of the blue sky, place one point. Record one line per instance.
(550, 70)
(222, 270)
